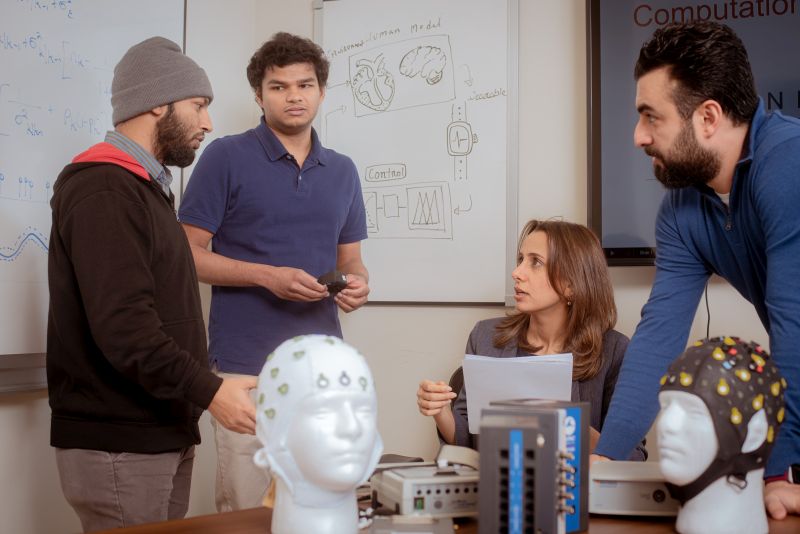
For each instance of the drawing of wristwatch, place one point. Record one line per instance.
(460, 140)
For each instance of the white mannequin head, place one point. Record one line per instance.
(333, 436)
(687, 441)
(316, 419)
(721, 406)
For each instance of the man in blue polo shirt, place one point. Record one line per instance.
(280, 210)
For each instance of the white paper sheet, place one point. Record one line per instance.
(490, 379)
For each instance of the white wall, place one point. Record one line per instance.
(403, 343)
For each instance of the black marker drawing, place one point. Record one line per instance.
(389, 77)
(372, 85)
(419, 211)
(460, 209)
(426, 61)
(468, 77)
(460, 140)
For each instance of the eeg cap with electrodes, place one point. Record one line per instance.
(735, 380)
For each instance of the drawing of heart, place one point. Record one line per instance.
(372, 84)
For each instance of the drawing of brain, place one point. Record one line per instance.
(426, 61)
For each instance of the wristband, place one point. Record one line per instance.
(792, 475)
(776, 478)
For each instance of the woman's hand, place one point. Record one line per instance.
(433, 397)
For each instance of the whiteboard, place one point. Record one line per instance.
(421, 95)
(57, 60)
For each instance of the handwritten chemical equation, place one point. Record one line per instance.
(56, 7)
(32, 120)
(60, 55)
(25, 189)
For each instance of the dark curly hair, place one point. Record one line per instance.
(286, 49)
(709, 61)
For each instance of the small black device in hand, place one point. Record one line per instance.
(335, 281)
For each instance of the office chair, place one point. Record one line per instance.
(456, 383)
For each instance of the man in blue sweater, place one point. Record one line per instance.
(732, 171)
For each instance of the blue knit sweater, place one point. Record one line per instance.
(754, 243)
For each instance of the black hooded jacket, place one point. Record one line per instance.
(127, 361)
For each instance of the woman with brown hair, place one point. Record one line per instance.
(564, 303)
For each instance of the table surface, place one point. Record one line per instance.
(256, 521)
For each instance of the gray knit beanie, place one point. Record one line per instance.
(153, 73)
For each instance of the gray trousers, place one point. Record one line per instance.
(119, 489)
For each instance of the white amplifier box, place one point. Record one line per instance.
(629, 488)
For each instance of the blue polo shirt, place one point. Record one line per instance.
(249, 192)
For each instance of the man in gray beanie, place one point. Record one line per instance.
(127, 363)
(152, 73)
